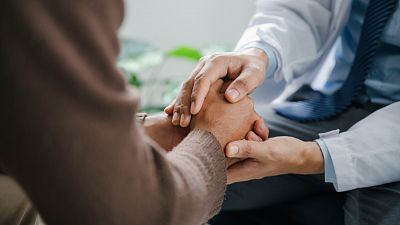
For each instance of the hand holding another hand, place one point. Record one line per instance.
(246, 69)
(275, 156)
(228, 122)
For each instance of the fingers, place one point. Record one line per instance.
(261, 129)
(181, 112)
(180, 108)
(206, 77)
(176, 117)
(216, 67)
(243, 149)
(181, 116)
(170, 108)
(250, 78)
(251, 136)
(185, 116)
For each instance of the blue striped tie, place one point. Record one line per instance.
(321, 106)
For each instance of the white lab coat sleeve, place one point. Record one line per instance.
(368, 154)
(301, 32)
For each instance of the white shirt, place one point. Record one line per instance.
(301, 38)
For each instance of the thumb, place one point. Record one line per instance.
(242, 86)
(242, 149)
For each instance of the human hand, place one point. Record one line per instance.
(259, 133)
(161, 130)
(226, 121)
(275, 156)
(247, 69)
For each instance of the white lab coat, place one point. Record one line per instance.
(302, 33)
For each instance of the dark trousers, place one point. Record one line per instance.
(308, 200)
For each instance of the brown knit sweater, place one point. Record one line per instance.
(68, 131)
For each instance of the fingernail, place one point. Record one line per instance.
(233, 93)
(233, 150)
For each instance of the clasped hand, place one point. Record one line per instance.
(203, 103)
(227, 122)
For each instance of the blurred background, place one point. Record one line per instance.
(169, 23)
(162, 41)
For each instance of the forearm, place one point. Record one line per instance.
(97, 182)
(200, 180)
(70, 125)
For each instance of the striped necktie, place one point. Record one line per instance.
(321, 106)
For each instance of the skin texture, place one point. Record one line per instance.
(245, 69)
(257, 159)
(256, 156)
(259, 133)
(217, 115)
(160, 129)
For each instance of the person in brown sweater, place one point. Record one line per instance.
(69, 136)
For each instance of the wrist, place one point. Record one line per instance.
(259, 53)
(149, 126)
(154, 125)
(313, 159)
(216, 134)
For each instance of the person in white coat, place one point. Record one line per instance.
(339, 156)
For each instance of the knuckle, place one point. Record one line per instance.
(216, 58)
(204, 58)
(255, 67)
(201, 80)
(187, 84)
(251, 103)
(242, 84)
(257, 70)
(179, 105)
(176, 109)
(213, 56)
(199, 77)
(184, 109)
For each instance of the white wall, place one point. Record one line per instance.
(169, 23)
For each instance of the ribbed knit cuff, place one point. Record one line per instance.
(210, 165)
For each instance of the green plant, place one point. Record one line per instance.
(185, 52)
(142, 64)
